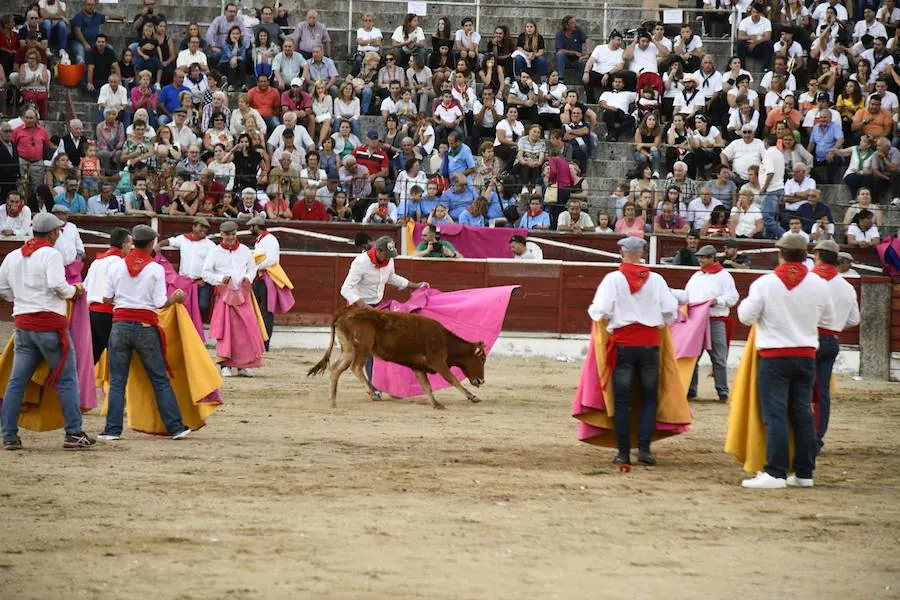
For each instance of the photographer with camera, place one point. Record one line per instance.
(432, 246)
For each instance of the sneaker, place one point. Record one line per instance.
(794, 481)
(655, 175)
(376, 395)
(622, 459)
(645, 457)
(764, 481)
(181, 434)
(78, 441)
(895, 201)
(244, 373)
(109, 437)
(13, 445)
(227, 372)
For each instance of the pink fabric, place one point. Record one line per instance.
(691, 334)
(561, 173)
(473, 315)
(174, 281)
(476, 242)
(239, 343)
(82, 343)
(278, 300)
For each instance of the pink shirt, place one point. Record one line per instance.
(636, 229)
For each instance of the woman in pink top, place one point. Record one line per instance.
(629, 224)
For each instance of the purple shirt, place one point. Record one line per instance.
(677, 222)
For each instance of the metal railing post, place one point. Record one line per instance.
(350, 28)
(478, 15)
(735, 22)
(603, 30)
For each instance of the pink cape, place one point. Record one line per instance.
(278, 300)
(80, 329)
(473, 315)
(174, 281)
(691, 333)
(239, 343)
(476, 242)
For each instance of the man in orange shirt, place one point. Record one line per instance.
(267, 101)
(871, 120)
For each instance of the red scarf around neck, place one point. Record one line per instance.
(826, 271)
(374, 258)
(33, 245)
(535, 213)
(791, 274)
(136, 261)
(191, 237)
(262, 235)
(231, 248)
(636, 275)
(712, 268)
(112, 251)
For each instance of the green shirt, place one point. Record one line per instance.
(437, 253)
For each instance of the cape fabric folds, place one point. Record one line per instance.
(473, 315)
(191, 303)
(195, 378)
(691, 336)
(239, 330)
(594, 401)
(279, 289)
(80, 328)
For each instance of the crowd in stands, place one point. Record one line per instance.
(252, 116)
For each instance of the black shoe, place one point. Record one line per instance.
(645, 457)
(723, 399)
(14, 445)
(622, 459)
(78, 441)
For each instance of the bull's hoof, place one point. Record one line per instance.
(438, 406)
(474, 399)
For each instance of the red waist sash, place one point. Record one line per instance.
(823, 331)
(796, 352)
(101, 307)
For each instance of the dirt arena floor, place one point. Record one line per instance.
(283, 497)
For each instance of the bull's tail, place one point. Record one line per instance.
(321, 366)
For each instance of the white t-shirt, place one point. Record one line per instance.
(862, 28)
(746, 223)
(709, 84)
(818, 14)
(505, 126)
(605, 59)
(789, 83)
(447, 114)
(801, 233)
(889, 101)
(772, 162)
(475, 38)
(869, 235)
(761, 27)
(52, 9)
(645, 61)
(877, 69)
(796, 50)
(621, 100)
(362, 34)
(741, 155)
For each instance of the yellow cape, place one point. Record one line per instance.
(279, 277)
(192, 385)
(408, 233)
(672, 404)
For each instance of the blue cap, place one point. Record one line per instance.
(372, 134)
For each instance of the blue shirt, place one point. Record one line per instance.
(77, 205)
(497, 204)
(411, 210)
(458, 202)
(529, 222)
(459, 163)
(89, 25)
(429, 205)
(574, 43)
(467, 218)
(168, 96)
(825, 140)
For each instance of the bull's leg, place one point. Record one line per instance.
(426, 385)
(337, 369)
(448, 375)
(358, 369)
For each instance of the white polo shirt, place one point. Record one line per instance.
(869, 235)
(748, 26)
(193, 254)
(147, 291)
(35, 284)
(621, 100)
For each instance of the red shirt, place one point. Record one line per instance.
(20, 55)
(31, 142)
(288, 102)
(373, 161)
(316, 212)
(9, 43)
(213, 191)
(266, 103)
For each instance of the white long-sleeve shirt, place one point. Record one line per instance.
(97, 277)
(366, 282)
(220, 263)
(147, 291)
(711, 286)
(20, 225)
(192, 254)
(69, 243)
(653, 305)
(844, 303)
(268, 244)
(35, 284)
(786, 318)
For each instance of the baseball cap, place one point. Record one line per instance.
(386, 246)
(372, 134)
(297, 81)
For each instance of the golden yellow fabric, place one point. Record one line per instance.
(259, 318)
(279, 277)
(191, 385)
(408, 232)
(672, 404)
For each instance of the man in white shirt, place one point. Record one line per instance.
(616, 105)
(779, 68)
(755, 36)
(525, 250)
(113, 95)
(797, 189)
(34, 280)
(95, 287)
(787, 307)
(15, 217)
(712, 283)
(192, 55)
(845, 315)
(364, 285)
(688, 47)
(69, 242)
(267, 251)
(789, 49)
(635, 303)
(868, 25)
(136, 288)
(689, 100)
(771, 177)
(818, 15)
(740, 154)
(700, 208)
(182, 135)
(845, 265)
(644, 54)
(878, 56)
(889, 100)
(574, 219)
(708, 78)
(863, 233)
(193, 248)
(795, 227)
(746, 218)
(604, 60)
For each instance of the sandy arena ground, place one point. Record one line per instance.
(282, 497)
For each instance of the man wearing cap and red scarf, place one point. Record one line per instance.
(136, 287)
(272, 287)
(34, 280)
(95, 286)
(369, 273)
(845, 315)
(786, 308)
(635, 303)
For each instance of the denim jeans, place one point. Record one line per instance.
(204, 295)
(262, 298)
(78, 53)
(365, 100)
(126, 338)
(655, 159)
(769, 206)
(538, 67)
(718, 355)
(785, 397)
(30, 348)
(643, 362)
(48, 28)
(825, 357)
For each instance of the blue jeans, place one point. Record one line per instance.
(30, 348)
(769, 206)
(718, 355)
(78, 53)
(204, 295)
(562, 63)
(538, 66)
(825, 357)
(151, 64)
(58, 28)
(365, 101)
(655, 159)
(643, 362)
(126, 338)
(785, 400)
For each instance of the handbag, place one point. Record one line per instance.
(511, 213)
(551, 196)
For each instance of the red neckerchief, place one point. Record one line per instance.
(373, 256)
(535, 213)
(232, 248)
(33, 245)
(136, 261)
(712, 268)
(262, 235)
(825, 271)
(636, 275)
(791, 274)
(12, 214)
(113, 251)
(190, 237)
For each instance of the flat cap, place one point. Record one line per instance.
(257, 220)
(201, 221)
(632, 244)
(228, 227)
(60, 208)
(792, 241)
(845, 256)
(706, 250)
(45, 223)
(829, 245)
(732, 243)
(386, 246)
(143, 233)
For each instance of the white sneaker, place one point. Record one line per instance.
(895, 201)
(794, 481)
(764, 481)
(227, 372)
(108, 437)
(244, 373)
(181, 435)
